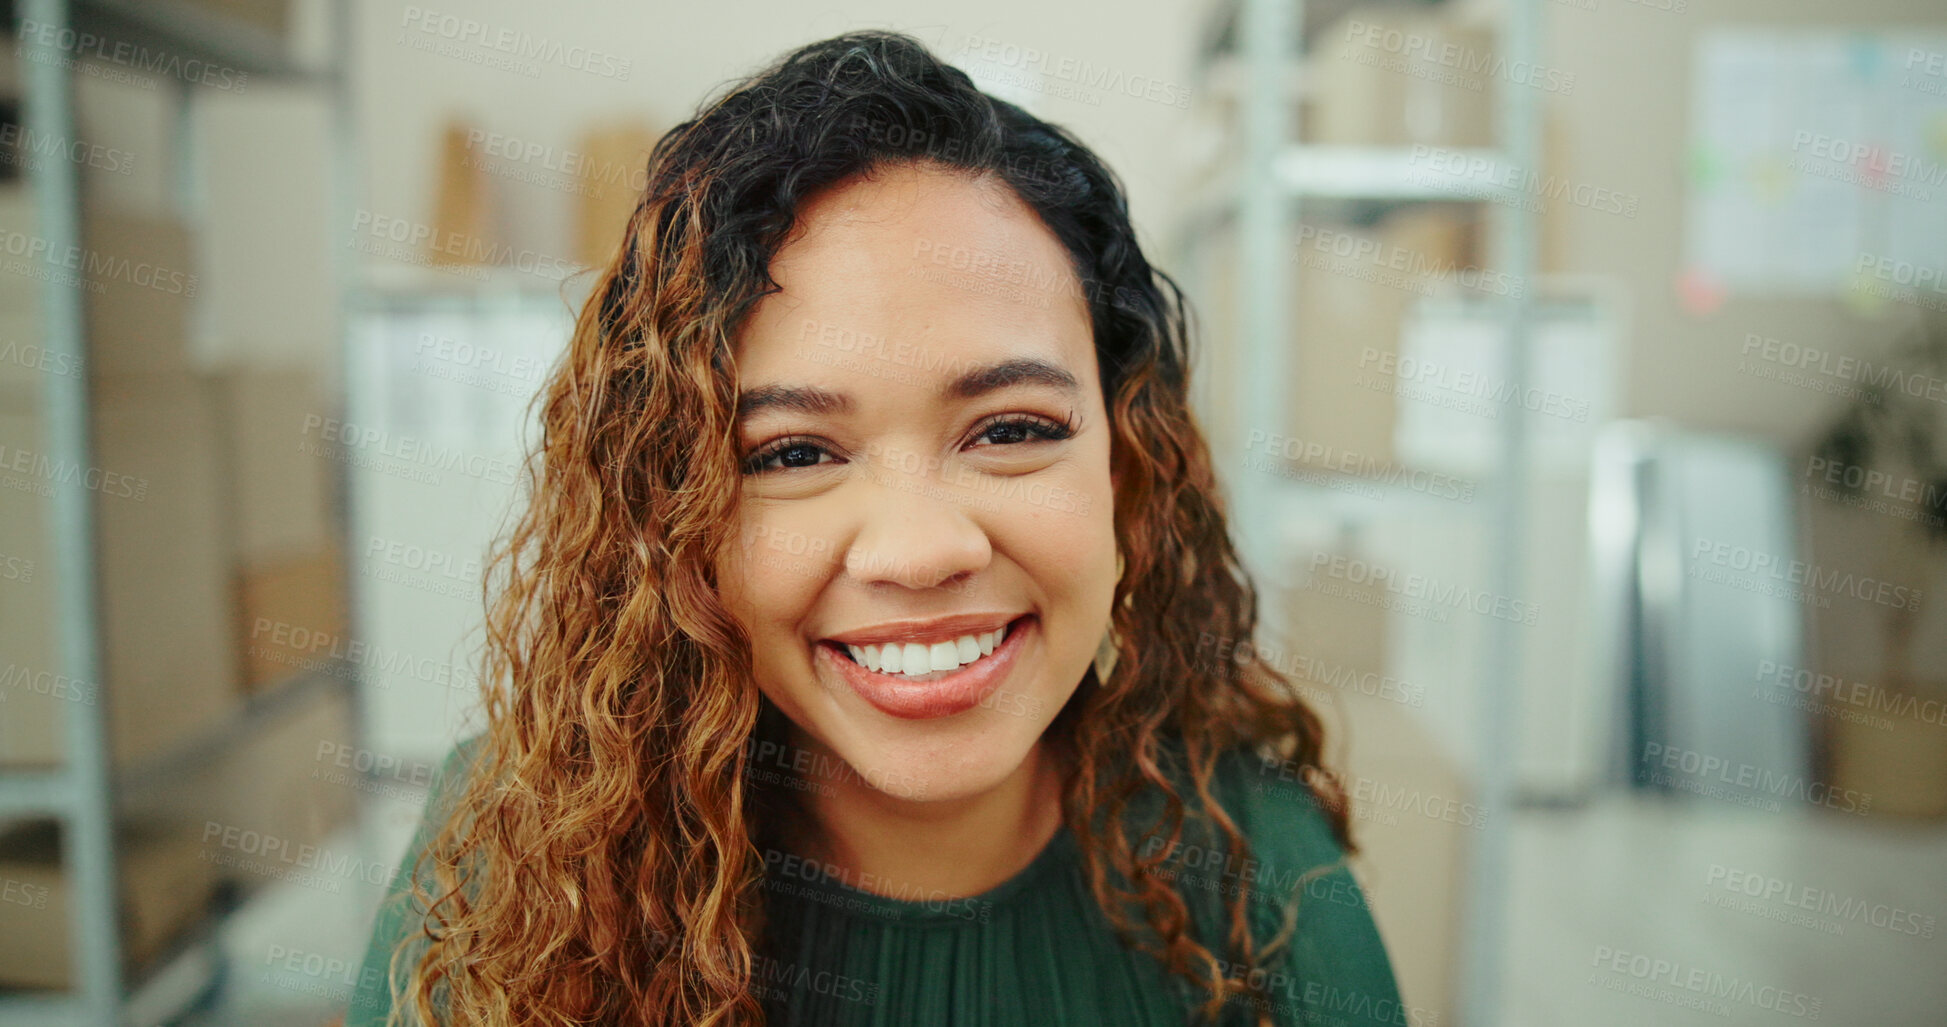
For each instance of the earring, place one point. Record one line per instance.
(1111, 646)
(1105, 656)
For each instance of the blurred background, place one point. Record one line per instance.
(1578, 370)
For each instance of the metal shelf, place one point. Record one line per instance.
(40, 1009)
(1220, 40)
(137, 785)
(37, 792)
(1357, 174)
(51, 792)
(1307, 490)
(82, 793)
(178, 980)
(1381, 173)
(189, 31)
(1259, 197)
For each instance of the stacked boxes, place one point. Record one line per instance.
(289, 572)
(164, 886)
(209, 518)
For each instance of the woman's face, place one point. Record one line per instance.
(927, 554)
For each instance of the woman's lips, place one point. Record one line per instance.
(956, 691)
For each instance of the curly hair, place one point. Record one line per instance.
(601, 862)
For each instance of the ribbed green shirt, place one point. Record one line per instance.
(1037, 949)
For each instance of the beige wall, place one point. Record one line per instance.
(1626, 125)
(680, 52)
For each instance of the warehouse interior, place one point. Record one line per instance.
(1577, 370)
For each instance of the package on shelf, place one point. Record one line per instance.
(1354, 288)
(164, 563)
(33, 692)
(125, 142)
(463, 229)
(165, 888)
(1393, 76)
(267, 803)
(271, 16)
(292, 616)
(614, 172)
(1338, 630)
(25, 362)
(1874, 682)
(268, 263)
(288, 564)
(141, 292)
(1452, 365)
(1893, 756)
(283, 498)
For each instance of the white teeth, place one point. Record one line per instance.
(915, 660)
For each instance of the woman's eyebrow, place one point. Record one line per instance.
(973, 382)
(1019, 371)
(805, 398)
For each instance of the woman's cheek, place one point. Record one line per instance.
(787, 555)
(1069, 519)
(751, 586)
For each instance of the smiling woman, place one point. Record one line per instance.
(858, 659)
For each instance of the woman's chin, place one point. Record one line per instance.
(944, 767)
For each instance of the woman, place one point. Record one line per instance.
(873, 650)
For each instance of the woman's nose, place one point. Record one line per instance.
(913, 533)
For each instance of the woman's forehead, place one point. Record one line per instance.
(918, 265)
(917, 220)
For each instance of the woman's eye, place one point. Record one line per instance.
(786, 455)
(1015, 430)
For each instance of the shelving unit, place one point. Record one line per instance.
(85, 795)
(1260, 198)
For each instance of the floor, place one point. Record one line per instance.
(1638, 911)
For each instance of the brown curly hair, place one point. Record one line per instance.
(601, 861)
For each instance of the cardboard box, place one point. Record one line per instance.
(284, 607)
(463, 224)
(21, 291)
(163, 553)
(1899, 756)
(166, 886)
(617, 172)
(274, 781)
(1883, 729)
(127, 128)
(284, 502)
(1331, 634)
(1354, 287)
(1391, 77)
(32, 695)
(1338, 311)
(24, 363)
(268, 253)
(272, 16)
(141, 294)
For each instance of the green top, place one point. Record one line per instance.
(1037, 949)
